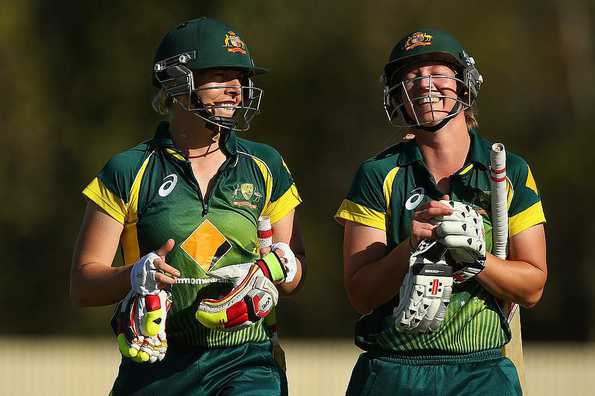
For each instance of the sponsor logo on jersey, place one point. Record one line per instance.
(416, 197)
(246, 195)
(206, 245)
(418, 39)
(169, 183)
(234, 43)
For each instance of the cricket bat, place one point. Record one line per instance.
(514, 349)
(265, 239)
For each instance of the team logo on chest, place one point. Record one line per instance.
(169, 183)
(245, 195)
(206, 245)
(247, 190)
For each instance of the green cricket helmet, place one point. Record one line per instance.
(202, 44)
(428, 45)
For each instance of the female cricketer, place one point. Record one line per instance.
(417, 237)
(184, 206)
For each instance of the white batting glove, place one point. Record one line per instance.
(142, 275)
(462, 234)
(425, 291)
(288, 259)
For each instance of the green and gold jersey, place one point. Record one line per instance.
(152, 191)
(386, 190)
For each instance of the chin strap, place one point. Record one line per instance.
(442, 123)
(214, 123)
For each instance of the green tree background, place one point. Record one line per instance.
(76, 78)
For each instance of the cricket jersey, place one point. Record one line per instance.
(153, 192)
(385, 192)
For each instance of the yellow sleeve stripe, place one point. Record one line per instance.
(530, 183)
(526, 219)
(285, 204)
(360, 214)
(103, 197)
(387, 187)
(135, 190)
(129, 238)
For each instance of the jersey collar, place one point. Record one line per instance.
(479, 152)
(410, 153)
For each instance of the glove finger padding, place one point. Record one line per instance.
(250, 300)
(140, 326)
(461, 211)
(464, 221)
(462, 233)
(469, 227)
(426, 290)
(152, 311)
(124, 326)
(464, 249)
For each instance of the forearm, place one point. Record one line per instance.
(513, 280)
(375, 283)
(96, 284)
(290, 288)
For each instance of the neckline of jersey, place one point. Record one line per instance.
(479, 153)
(163, 139)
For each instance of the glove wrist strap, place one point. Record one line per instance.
(271, 266)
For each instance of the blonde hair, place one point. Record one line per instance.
(162, 102)
(471, 117)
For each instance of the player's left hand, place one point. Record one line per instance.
(251, 299)
(287, 258)
(462, 234)
(139, 325)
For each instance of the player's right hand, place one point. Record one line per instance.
(139, 324)
(425, 292)
(151, 272)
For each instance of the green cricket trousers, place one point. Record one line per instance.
(485, 373)
(247, 369)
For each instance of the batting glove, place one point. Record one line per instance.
(462, 234)
(288, 259)
(142, 275)
(425, 291)
(139, 325)
(251, 299)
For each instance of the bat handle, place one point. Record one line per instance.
(265, 232)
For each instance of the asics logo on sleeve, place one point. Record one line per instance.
(416, 197)
(168, 185)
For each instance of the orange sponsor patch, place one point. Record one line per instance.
(206, 245)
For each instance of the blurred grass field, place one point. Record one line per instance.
(77, 366)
